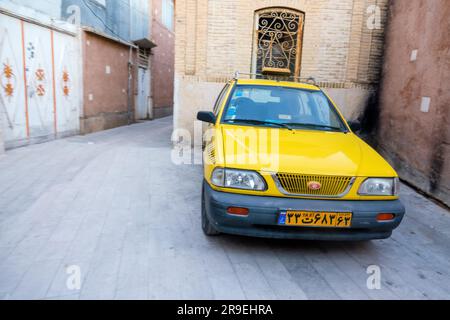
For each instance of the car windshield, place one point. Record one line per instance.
(282, 107)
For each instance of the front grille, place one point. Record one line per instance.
(331, 186)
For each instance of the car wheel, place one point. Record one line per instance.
(208, 228)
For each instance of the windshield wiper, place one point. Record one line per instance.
(312, 125)
(283, 125)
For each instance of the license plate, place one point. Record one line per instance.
(315, 219)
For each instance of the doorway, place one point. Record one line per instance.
(143, 108)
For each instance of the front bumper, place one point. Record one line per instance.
(262, 220)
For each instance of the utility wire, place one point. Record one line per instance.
(103, 22)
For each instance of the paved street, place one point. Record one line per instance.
(113, 205)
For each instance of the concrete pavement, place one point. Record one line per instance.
(114, 208)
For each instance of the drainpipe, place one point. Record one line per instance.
(130, 68)
(130, 84)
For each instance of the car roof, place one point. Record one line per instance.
(289, 84)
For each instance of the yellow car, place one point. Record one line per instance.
(280, 161)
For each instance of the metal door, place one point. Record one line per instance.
(142, 107)
(12, 95)
(67, 84)
(38, 53)
(40, 91)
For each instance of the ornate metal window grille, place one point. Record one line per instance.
(279, 41)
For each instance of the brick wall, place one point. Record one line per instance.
(105, 62)
(162, 62)
(215, 38)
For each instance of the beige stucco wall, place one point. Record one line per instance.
(351, 101)
(195, 95)
(215, 38)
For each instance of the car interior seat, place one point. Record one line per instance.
(246, 109)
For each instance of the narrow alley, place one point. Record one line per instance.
(114, 206)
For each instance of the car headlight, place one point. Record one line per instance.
(238, 179)
(379, 187)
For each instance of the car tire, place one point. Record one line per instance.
(207, 227)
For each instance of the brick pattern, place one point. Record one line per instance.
(372, 45)
(215, 38)
(105, 107)
(162, 61)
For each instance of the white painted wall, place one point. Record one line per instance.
(2, 143)
(45, 102)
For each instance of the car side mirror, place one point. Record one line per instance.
(206, 116)
(355, 125)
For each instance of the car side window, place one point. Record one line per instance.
(220, 99)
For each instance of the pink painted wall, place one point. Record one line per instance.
(417, 142)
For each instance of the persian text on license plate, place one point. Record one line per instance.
(315, 219)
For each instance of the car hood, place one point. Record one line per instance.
(301, 151)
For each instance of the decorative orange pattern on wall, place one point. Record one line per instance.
(7, 79)
(66, 80)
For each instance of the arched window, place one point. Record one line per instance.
(278, 41)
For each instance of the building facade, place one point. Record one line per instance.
(163, 56)
(116, 46)
(109, 98)
(72, 66)
(338, 43)
(40, 93)
(413, 119)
